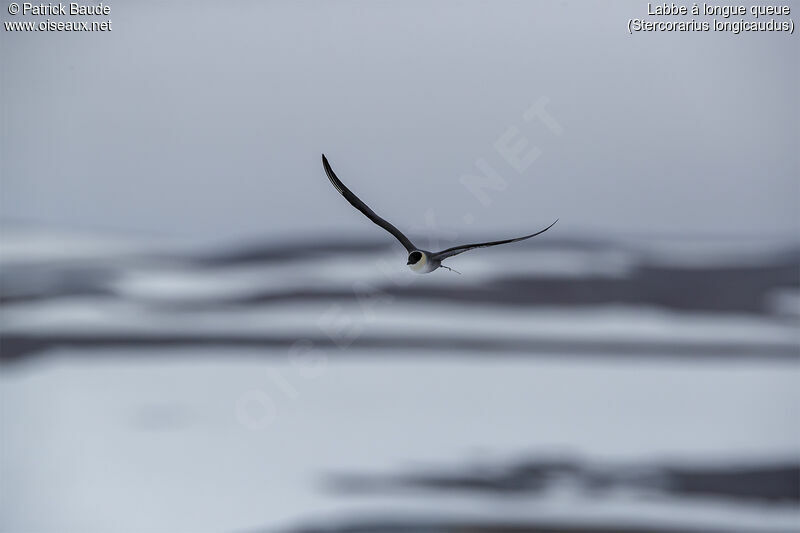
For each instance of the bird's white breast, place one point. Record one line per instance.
(423, 266)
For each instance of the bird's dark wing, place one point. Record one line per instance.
(364, 208)
(455, 250)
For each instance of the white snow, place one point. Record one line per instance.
(224, 441)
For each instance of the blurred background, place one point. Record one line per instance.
(200, 334)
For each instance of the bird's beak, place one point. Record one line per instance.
(409, 262)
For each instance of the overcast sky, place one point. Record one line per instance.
(207, 120)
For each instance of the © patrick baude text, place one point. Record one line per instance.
(60, 9)
(59, 16)
(704, 17)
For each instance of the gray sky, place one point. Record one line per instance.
(206, 120)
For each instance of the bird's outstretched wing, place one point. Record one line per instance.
(455, 250)
(364, 208)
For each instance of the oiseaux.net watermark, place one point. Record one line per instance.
(59, 16)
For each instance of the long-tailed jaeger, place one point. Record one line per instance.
(419, 260)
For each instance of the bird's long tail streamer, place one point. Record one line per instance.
(450, 269)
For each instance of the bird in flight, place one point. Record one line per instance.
(419, 260)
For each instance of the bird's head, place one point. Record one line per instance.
(416, 259)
